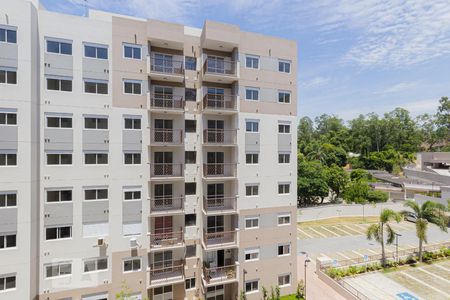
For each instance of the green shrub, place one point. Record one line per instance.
(377, 196)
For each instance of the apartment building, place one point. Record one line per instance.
(144, 157)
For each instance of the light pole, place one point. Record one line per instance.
(396, 245)
(307, 260)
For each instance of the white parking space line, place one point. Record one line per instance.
(362, 227)
(434, 275)
(332, 232)
(340, 229)
(442, 267)
(425, 284)
(357, 253)
(354, 230)
(319, 233)
(341, 254)
(370, 250)
(303, 232)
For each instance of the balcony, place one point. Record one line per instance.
(212, 240)
(219, 204)
(166, 103)
(166, 273)
(219, 104)
(217, 69)
(222, 137)
(166, 240)
(220, 275)
(167, 137)
(166, 171)
(219, 170)
(166, 205)
(164, 68)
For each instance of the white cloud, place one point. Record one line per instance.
(315, 82)
(396, 88)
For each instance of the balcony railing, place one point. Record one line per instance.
(213, 239)
(219, 102)
(166, 272)
(219, 170)
(218, 274)
(166, 203)
(219, 66)
(218, 203)
(166, 65)
(167, 136)
(219, 136)
(166, 239)
(167, 170)
(167, 102)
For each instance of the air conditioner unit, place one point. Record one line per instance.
(100, 242)
(134, 243)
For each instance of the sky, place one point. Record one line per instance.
(355, 57)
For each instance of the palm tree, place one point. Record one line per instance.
(428, 212)
(376, 231)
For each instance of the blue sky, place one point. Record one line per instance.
(354, 56)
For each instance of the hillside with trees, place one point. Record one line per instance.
(368, 142)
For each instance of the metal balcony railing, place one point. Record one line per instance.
(219, 66)
(218, 274)
(166, 239)
(166, 170)
(166, 203)
(166, 65)
(219, 170)
(164, 101)
(217, 203)
(212, 239)
(219, 102)
(167, 136)
(219, 136)
(166, 271)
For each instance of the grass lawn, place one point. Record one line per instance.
(341, 220)
(289, 297)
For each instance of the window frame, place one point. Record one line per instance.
(252, 127)
(9, 70)
(96, 189)
(284, 97)
(252, 58)
(133, 158)
(283, 245)
(96, 82)
(252, 186)
(96, 260)
(252, 219)
(4, 237)
(58, 232)
(284, 62)
(59, 41)
(59, 190)
(3, 278)
(252, 90)
(132, 82)
(284, 276)
(251, 251)
(7, 154)
(58, 264)
(283, 216)
(59, 158)
(7, 112)
(85, 153)
(252, 158)
(8, 28)
(96, 118)
(284, 125)
(59, 78)
(7, 200)
(284, 160)
(132, 259)
(253, 290)
(133, 118)
(96, 46)
(191, 286)
(283, 186)
(135, 46)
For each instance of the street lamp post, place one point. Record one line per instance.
(307, 260)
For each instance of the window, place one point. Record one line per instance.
(7, 241)
(191, 251)
(8, 76)
(132, 158)
(8, 159)
(252, 190)
(283, 188)
(59, 122)
(132, 123)
(190, 63)
(251, 254)
(251, 222)
(96, 158)
(132, 87)
(96, 52)
(8, 200)
(251, 286)
(55, 84)
(190, 94)
(95, 87)
(132, 51)
(96, 194)
(284, 128)
(132, 195)
(8, 118)
(252, 126)
(284, 280)
(284, 66)
(8, 35)
(59, 159)
(190, 157)
(190, 283)
(284, 219)
(95, 264)
(95, 123)
(284, 97)
(131, 265)
(59, 196)
(56, 233)
(58, 269)
(252, 61)
(59, 47)
(190, 125)
(251, 158)
(251, 94)
(284, 249)
(190, 219)
(190, 188)
(7, 282)
(284, 158)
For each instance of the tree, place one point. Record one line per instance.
(428, 212)
(431, 130)
(242, 295)
(311, 181)
(376, 231)
(264, 291)
(443, 113)
(356, 192)
(360, 174)
(337, 180)
(375, 196)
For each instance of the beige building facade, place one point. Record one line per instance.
(144, 157)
